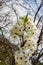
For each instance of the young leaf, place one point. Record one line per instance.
(26, 19)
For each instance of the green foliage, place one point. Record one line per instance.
(2, 63)
(26, 19)
(5, 53)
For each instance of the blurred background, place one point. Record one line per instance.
(13, 10)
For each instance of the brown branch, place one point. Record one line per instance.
(34, 62)
(39, 56)
(2, 32)
(37, 12)
(40, 36)
(14, 10)
(39, 20)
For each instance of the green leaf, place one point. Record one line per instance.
(26, 19)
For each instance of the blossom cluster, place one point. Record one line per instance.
(28, 29)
